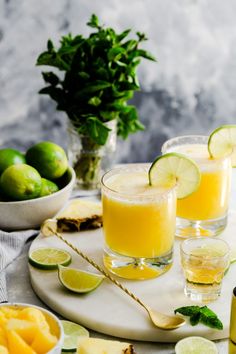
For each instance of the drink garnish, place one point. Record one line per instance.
(222, 143)
(202, 315)
(174, 169)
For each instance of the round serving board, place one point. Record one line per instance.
(109, 310)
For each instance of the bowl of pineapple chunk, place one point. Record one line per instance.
(29, 329)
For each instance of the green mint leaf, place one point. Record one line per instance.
(95, 101)
(97, 130)
(194, 319)
(50, 78)
(93, 22)
(209, 318)
(188, 310)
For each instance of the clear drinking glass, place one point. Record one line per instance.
(203, 213)
(138, 223)
(204, 261)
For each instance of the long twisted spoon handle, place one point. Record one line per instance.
(95, 265)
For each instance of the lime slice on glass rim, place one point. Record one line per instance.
(72, 331)
(49, 258)
(193, 345)
(79, 281)
(222, 143)
(173, 169)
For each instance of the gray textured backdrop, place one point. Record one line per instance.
(192, 88)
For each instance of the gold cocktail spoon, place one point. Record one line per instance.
(160, 320)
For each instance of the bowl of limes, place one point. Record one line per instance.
(34, 185)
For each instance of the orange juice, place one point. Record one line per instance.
(139, 219)
(203, 213)
(211, 199)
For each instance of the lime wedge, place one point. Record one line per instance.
(173, 169)
(232, 255)
(78, 280)
(72, 331)
(49, 258)
(222, 142)
(194, 345)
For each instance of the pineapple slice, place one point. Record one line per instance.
(43, 341)
(26, 329)
(9, 312)
(3, 338)
(3, 319)
(3, 350)
(34, 315)
(102, 346)
(17, 345)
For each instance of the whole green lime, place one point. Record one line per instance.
(48, 187)
(10, 157)
(21, 182)
(48, 158)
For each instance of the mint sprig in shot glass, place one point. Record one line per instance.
(204, 212)
(204, 262)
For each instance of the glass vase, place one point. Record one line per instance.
(89, 159)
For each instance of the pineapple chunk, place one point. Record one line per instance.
(102, 346)
(9, 312)
(17, 345)
(3, 350)
(25, 329)
(3, 319)
(34, 315)
(3, 338)
(43, 341)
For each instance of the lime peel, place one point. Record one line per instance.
(72, 332)
(49, 258)
(77, 280)
(222, 143)
(193, 345)
(174, 169)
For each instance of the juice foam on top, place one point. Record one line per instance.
(132, 183)
(194, 151)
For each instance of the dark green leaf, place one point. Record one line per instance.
(141, 36)
(93, 87)
(194, 319)
(93, 22)
(50, 78)
(50, 46)
(97, 130)
(209, 318)
(115, 53)
(123, 35)
(94, 101)
(188, 310)
(143, 53)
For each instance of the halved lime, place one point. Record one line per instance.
(72, 331)
(49, 258)
(173, 169)
(78, 280)
(194, 345)
(222, 142)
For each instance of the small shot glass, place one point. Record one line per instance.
(204, 262)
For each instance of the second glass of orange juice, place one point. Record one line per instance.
(138, 223)
(203, 213)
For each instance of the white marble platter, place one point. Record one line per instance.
(109, 310)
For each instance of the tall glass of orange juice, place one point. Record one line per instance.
(138, 223)
(203, 213)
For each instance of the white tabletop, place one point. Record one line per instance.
(19, 290)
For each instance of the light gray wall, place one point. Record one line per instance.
(192, 88)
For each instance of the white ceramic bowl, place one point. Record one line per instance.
(29, 214)
(54, 322)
